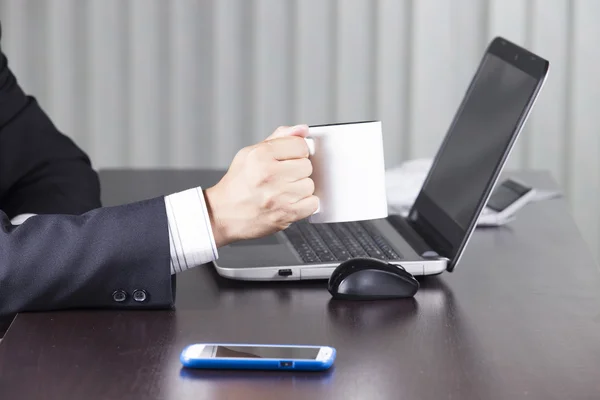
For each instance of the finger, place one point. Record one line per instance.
(279, 132)
(300, 189)
(305, 207)
(293, 170)
(288, 148)
(283, 131)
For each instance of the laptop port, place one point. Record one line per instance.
(284, 272)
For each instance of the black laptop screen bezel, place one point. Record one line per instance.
(437, 228)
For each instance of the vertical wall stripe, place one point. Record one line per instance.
(291, 54)
(372, 43)
(228, 84)
(36, 24)
(187, 83)
(272, 63)
(483, 22)
(407, 125)
(189, 57)
(354, 61)
(546, 124)
(568, 126)
(145, 77)
(333, 67)
(313, 61)
(392, 77)
(584, 177)
(16, 40)
(184, 57)
(107, 101)
(433, 78)
(467, 30)
(62, 63)
(526, 137)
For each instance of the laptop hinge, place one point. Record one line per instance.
(416, 241)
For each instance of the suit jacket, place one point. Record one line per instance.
(75, 254)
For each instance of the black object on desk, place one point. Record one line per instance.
(519, 318)
(371, 279)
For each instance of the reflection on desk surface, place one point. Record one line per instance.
(371, 337)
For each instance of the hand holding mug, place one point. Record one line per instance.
(266, 188)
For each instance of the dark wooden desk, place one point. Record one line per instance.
(519, 318)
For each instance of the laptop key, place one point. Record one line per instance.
(365, 241)
(326, 256)
(347, 239)
(316, 242)
(301, 246)
(381, 242)
(333, 242)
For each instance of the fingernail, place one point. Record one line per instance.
(301, 126)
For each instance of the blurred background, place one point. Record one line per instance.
(186, 83)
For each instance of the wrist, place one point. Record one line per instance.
(217, 224)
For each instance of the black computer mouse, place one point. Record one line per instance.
(371, 279)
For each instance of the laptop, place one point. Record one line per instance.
(432, 237)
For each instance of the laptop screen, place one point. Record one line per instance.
(476, 145)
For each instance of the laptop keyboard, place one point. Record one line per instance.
(338, 241)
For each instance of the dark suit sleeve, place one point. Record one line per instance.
(42, 171)
(69, 256)
(55, 262)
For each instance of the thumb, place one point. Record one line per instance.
(282, 131)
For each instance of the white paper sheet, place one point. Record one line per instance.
(404, 182)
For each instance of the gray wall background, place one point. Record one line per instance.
(186, 83)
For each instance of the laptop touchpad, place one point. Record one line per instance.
(271, 239)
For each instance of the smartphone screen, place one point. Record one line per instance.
(220, 351)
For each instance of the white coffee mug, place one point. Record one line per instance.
(348, 172)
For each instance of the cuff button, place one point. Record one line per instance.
(119, 296)
(140, 295)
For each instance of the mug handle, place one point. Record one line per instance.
(310, 142)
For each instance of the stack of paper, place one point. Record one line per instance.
(404, 182)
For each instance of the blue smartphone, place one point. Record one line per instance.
(257, 356)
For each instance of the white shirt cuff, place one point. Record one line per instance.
(191, 238)
(19, 219)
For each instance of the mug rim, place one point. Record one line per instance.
(344, 123)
